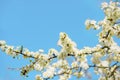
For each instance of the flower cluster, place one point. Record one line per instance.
(91, 23)
(104, 57)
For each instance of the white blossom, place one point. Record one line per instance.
(38, 77)
(2, 42)
(104, 5)
(40, 50)
(74, 64)
(91, 24)
(84, 65)
(52, 52)
(49, 72)
(9, 50)
(38, 67)
(105, 63)
(79, 74)
(70, 60)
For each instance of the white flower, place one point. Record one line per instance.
(52, 52)
(63, 64)
(95, 60)
(97, 55)
(62, 55)
(112, 4)
(27, 52)
(74, 64)
(64, 77)
(87, 24)
(79, 74)
(115, 48)
(87, 50)
(84, 65)
(108, 12)
(102, 78)
(96, 27)
(38, 67)
(38, 77)
(40, 50)
(49, 72)
(2, 42)
(105, 63)
(51, 69)
(35, 54)
(104, 5)
(63, 35)
(9, 50)
(45, 57)
(2, 48)
(91, 23)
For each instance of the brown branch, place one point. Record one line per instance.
(106, 36)
(112, 73)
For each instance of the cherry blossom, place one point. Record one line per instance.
(104, 57)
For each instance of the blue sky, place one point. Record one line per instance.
(36, 24)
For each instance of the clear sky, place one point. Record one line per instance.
(36, 24)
